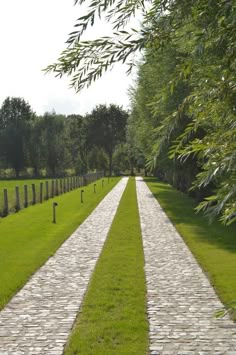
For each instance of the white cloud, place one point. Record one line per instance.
(32, 35)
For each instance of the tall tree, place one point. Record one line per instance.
(53, 137)
(15, 118)
(78, 146)
(35, 145)
(106, 129)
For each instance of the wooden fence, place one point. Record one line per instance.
(45, 191)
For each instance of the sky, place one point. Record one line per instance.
(32, 36)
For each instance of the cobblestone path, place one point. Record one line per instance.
(181, 302)
(39, 318)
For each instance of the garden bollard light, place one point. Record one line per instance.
(54, 205)
(81, 196)
(102, 183)
(94, 188)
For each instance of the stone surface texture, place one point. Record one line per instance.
(180, 302)
(38, 320)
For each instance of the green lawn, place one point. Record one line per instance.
(113, 316)
(28, 238)
(214, 246)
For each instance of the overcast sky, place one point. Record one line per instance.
(32, 35)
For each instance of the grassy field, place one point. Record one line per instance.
(29, 238)
(113, 316)
(214, 246)
(10, 186)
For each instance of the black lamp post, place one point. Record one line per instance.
(54, 205)
(81, 196)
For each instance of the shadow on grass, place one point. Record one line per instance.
(180, 209)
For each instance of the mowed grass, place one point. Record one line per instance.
(213, 245)
(10, 185)
(28, 238)
(113, 316)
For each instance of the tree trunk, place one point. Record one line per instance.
(17, 172)
(110, 164)
(36, 171)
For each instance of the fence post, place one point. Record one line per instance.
(5, 200)
(47, 190)
(57, 192)
(41, 192)
(70, 183)
(33, 194)
(26, 201)
(17, 198)
(52, 188)
(61, 187)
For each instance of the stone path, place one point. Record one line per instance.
(181, 302)
(39, 318)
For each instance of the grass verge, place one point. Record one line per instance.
(213, 245)
(113, 316)
(28, 238)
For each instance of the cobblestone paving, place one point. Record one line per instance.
(181, 302)
(39, 318)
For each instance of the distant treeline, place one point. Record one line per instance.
(54, 143)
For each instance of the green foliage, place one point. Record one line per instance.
(113, 318)
(121, 159)
(15, 118)
(98, 159)
(77, 141)
(88, 60)
(184, 102)
(53, 142)
(35, 144)
(106, 129)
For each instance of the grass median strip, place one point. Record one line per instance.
(29, 238)
(113, 316)
(213, 245)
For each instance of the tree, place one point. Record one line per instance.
(106, 129)
(86, 61)
(16, 116)
(77, 130)
(203, 33)
(35, 146)
(97, 159)
(54, 147)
